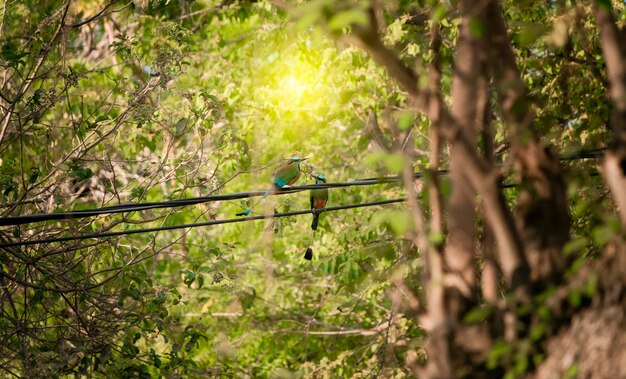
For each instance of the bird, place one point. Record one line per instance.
(319, 198)
(285, 175)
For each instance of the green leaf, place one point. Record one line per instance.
(394, 162)
(571, 372)
(406, 120)
(602, 234)
(530, 32)
(591, 286)
(537, 332)
(81, 173)
(477, 314)
(413, 49)
(309, 13)
(544, 313)
(347, 18)
(181, 125)
(439, 13)
(134, 293)
(156, 361)
(399, 222)
(200, 279)
(101, 118)
(374, 158)
(9, 52)
(476, 28)
(574, 245)
(575, 298)
(137, 192)
(436, 238)
(189, 277)
(34, 174)
(497, 352)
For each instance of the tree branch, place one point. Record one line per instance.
(615, 55)
(480, 174)
(542, 212)
(459, 254)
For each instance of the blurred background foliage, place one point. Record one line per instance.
(106, 102)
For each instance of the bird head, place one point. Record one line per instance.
(320, 178)
(296, 157)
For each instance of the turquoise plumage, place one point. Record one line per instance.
(285, 175)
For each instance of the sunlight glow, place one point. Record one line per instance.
(292, 82)
(295, 88)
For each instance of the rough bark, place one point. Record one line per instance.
(480, 174)
(542, 213)
(542, 219)
(433, 273)
(489, 277)
(461, 284)
(594, 341)
(460, 251)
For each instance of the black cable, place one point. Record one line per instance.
(585, 154)
(193, 225)
(133, 207)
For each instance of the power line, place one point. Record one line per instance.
(193, 225)
(182, 202)
(134, 207)
(585, 154)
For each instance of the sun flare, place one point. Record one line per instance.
(294, 81)
(294, 87)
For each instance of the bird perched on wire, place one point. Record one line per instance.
(319, 198)
(285, 175)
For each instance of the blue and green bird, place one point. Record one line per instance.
(318, 199)
(285, 175)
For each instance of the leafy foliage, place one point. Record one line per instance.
(109, 102)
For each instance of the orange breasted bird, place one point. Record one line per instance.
(319, 198)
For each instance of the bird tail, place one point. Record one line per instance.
(263, 197)
(316, 217)
(308, 254)
(247, 211)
